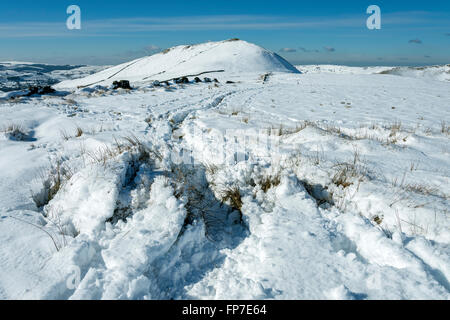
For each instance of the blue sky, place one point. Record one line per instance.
(304, 32)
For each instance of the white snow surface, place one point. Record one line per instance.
(353, 204)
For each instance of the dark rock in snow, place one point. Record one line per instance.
(215, 80)
(123, 84)
(230, 82)
(40, 90)
(207, 80)
(182, 80)
(47, 90)
(197, 80)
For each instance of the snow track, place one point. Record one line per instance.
(139, 225)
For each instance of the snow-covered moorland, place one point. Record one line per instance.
(265, 184)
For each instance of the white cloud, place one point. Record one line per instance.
(287, 50)
(152, 48)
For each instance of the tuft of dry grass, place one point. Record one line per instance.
(269, 182)
(78, 132)
(52, 182)
(58, 243)
(395, 128)
(211, 169)
(131, 143)
(348, 172)
(15, 131)
(64, 135)
(281, 130)
(103, 154)
(445, 128)
(232, 197)
(421, 189)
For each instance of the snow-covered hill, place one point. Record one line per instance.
(338, 69)
(16, 75)
(231, 56)
(440, 73)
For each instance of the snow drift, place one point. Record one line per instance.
(232, 56)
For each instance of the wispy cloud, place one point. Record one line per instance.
(111, 27)
(287, 50)
(329, 49)
(308, 50)
(152, 48)
(416, 41)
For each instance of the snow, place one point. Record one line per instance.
(16, 76)
(342, 175)
(231, 56)
(440, 73)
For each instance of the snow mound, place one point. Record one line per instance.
(231, 56)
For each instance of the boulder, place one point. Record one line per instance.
(182, 80)
(40, 90)
(47, 90)
(122, 84)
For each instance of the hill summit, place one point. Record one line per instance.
(230, 57)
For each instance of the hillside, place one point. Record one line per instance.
(231, 56)
(321, 185)
(439, 73)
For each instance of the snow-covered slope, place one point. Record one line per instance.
(299, 186)
(16, 75)
(440, 73)
(232, 56)
(337, 69)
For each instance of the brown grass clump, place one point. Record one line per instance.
(78, 132)
(232, 197)
(269, 182)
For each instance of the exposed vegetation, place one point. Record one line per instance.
(52, 181)
(15, 132)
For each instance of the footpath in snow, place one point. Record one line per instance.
(279, 185)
